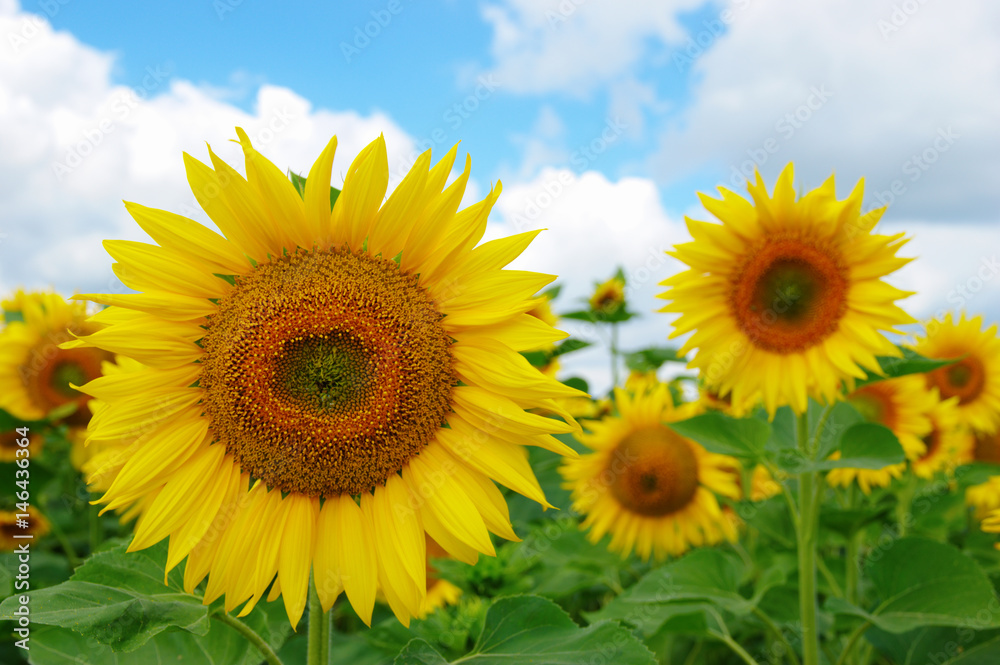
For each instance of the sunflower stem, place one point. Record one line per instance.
(614, 355)
(806, 537)
(250, 635)
(853, 545)
(318, 652)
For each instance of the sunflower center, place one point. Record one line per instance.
(326, 371)
(874, 405)
(933, 443)
(790, 294)
(655, 472)
(966, 379)
(987, 448)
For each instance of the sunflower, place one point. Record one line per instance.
(762, 484)
(10, 530)
(324, 385)
(638, 381)
(948, 444)
(975, 378)
(9, 447)
(903, 405)
(608, 297)
(36, 375)
(991, 524)
(985, 496)
(440, 592)
(651, 488)
(784, 298)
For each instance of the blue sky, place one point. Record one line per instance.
(602, 120)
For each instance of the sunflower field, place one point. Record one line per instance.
(338, 432)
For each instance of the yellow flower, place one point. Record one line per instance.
(948, 444)
(785, 298)
(322, 387)
(37, 527)
(9, 447)
(651, 488)
(638, 382)
(984, 497)
(975, 379)
(36, 375)
(991, 524)
(609, 296)
(903, 405)
(762, 484)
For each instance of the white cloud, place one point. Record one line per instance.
(893, 91)
(575, 46)
(75, 144)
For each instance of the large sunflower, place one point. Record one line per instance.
(36, 375)
(651, 488)
(975, 378)
(785, 298)
(323, 387)
(903, 405)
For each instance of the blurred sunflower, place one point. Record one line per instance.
(975, 378)
(991, 524)
(785, 298)
(324, 385)
(903, 405)
(651, 488)
(543, 312)
(37, 527)
(9, 447)
(608, 297)
(36, 375)
(948, 444)
(984, 497)
(762, 484)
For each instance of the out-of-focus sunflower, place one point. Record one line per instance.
(984, 497)
(903, 405)
(358, 361)
(648, 486)
(9, 447)
(785, 299)
(36, 375)
(975, 378)
(543, 312)
(37, 526)
(991, 524)
(440, 592)
(763, 485)
(948, 444)
(638, 381)
(608, 296)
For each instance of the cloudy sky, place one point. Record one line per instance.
(602, 119)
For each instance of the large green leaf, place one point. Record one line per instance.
(647, 360)
(118, 599)
(719, 433)
(920, 582)
(861, 446)
(531, 629)
(940, 646)
(910, 362)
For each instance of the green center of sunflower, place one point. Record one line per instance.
(790, 294)
(64, 374)
(932, 443)
(326, 371)
(965, 379)
(654, 472)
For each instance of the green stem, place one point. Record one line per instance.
(94, 517)
(853, 543)
(828, 576)
(252, 637)
(903, 503)
(319, 631)
(693, 654)
(614, 354)
(60, 535)
(806, 537)
(734, 645)
(791, 655)
(851, 641)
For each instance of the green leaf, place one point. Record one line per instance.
(300, 186)
(568, 346)
(861, 445)
(552, 292)
(536, 358)
(975, 473)
(921, 582)
(910, 362)
(647, 360)
(118, 600)
(11, 317)
(719, 433)
(940, 646)
(531, 629)
(578, 383)
(581, 315)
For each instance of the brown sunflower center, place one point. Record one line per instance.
(326, 371)
(875, 405)
(49, 371)
(790, 294)
(987, 448)
(655, 472)
(932, 442)
(966, 379)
